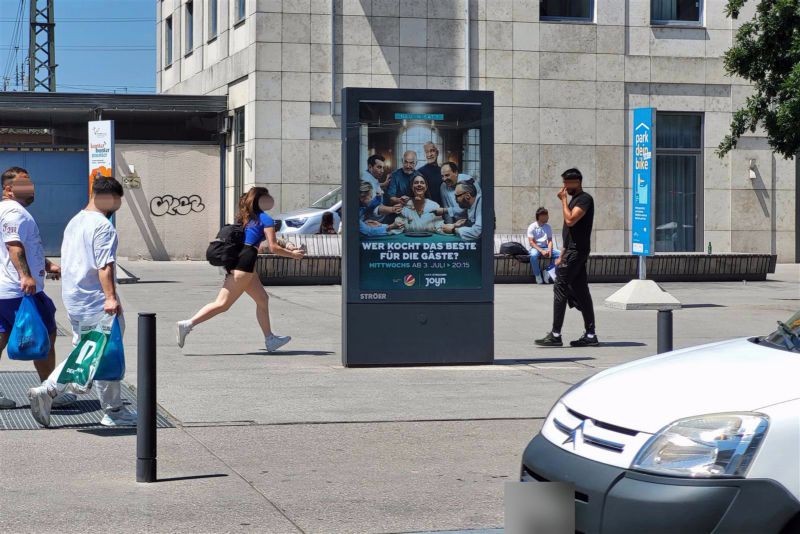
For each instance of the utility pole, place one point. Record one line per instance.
(42, 47)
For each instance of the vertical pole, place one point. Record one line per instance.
(642, 268)
(664, 331)
(467, 38)
(146, 400)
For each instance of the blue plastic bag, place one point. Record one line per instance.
(112, 363)
(29, 339)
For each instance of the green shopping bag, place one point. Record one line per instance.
(82, 362)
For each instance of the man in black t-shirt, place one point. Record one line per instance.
(572, 286)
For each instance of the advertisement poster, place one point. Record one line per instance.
(101, 150)
(643, 160)
(419, 196)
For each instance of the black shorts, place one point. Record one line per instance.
(247, 259)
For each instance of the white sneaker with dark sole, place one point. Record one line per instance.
(6, 404)
(120, 417)
(41, 402)
(274, 342)
(182, 329)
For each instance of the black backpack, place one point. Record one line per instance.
(224, 250)
(516, 250)
(513, 248)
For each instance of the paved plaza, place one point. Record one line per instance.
(294, 442)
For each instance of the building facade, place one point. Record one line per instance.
(565, 74)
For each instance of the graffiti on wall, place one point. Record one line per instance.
(170, 205)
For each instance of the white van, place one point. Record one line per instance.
(704, 439)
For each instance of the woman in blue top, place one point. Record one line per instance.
(258, 226)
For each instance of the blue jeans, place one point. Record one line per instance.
(535, 269)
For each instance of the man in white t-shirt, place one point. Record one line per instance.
(88, 260)
(22, 269)
(540, 239)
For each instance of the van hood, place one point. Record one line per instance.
(648, 394)
(298, 214)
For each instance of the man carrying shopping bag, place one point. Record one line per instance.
(88, 257)
(22, 270)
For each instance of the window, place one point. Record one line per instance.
(168, 41)
(238, 155)
(676, 11)
(241, 10)
(566, 9)
(679, 182)
(213, 12)
(471, 164)
(413, 137)
(189, 27)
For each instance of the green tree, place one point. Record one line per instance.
(766, 52)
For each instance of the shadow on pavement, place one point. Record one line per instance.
(106, 431)
(691, 306)
(265, 353)
(517, 361)
(622, 344)
(191, 477)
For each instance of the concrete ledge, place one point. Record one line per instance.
(322, 265)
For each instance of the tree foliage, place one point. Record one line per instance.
(766, 52)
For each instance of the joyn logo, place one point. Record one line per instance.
(435, 281)
(409, 280)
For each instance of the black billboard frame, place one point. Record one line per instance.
(442, 326)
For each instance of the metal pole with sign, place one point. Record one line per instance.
(644, 294)
(643, 186)
(417, 268)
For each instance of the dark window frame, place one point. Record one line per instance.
(677, 22)
(699, 154)
(213, 19)
(238, 153)
(168, 42)
(564, 18)
(189, 27)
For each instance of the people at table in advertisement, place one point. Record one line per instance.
(370, 205)
(399, 189)
(419, 213)
(447, 191)
(432, 172)
(468, 198)
(376, 174)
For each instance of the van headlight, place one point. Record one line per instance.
(718, 445)
(295, 223)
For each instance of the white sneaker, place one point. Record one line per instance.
(182, 330)
(6, 404)
(64, 399)
(274, 342)
(41, 402)
(119, 417)
(539, 279)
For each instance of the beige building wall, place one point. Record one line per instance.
(173, 212)
(563, 95)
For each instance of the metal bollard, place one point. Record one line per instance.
(146, 400)
(664, 331)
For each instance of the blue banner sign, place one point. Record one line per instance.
(420, 116)
(642, 241)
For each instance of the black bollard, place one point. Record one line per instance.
(664, 331)
(146, 400)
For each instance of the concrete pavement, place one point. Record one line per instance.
(308, 446)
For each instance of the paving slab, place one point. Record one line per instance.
(72, 481)
(379, 478)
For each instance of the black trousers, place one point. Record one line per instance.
(572, 288)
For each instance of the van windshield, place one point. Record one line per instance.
(328, 200)
(787, 336)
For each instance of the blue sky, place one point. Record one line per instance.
(101, 45)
